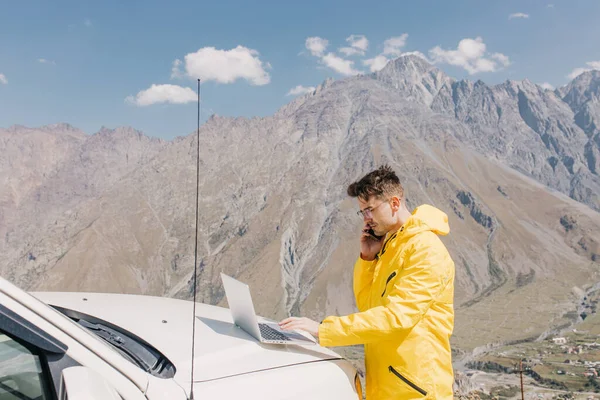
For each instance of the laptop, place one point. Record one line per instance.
(244, 316)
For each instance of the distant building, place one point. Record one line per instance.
(559, 340)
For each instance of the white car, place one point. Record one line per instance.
(112, 346)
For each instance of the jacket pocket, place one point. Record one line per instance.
(388, 281)
(407, 381)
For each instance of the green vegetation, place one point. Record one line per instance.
(572, 366)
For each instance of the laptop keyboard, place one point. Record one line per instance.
(269, 333)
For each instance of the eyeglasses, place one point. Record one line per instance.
(368, 212)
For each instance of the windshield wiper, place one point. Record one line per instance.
(122, 343)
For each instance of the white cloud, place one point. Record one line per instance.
(358, 42)
(416, 53)
(44, 61)
(377, 63)
(351, 51)
(358, 45)
(176, 70)
(300, 90)
(316, 45)
(547, 85)
(470, 55)
(86, 22)
(3, 79)
(224, 66)
(504, 60)
(518, 15)
(594, 64)
(393, 46)
(578, 71)
(340, 65)
(163, 94)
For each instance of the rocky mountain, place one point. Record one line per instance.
(47, 171)
(510, 164)
(583, 96)
(24, 162)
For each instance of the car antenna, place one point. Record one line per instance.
(195, 245)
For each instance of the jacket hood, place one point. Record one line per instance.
(427, 218)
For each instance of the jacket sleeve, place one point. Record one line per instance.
(425, 274)
(363, 279)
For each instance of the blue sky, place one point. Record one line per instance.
(94, 63)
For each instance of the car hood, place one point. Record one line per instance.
(221, 349)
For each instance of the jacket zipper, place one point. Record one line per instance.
(409, 383)
(388, 281)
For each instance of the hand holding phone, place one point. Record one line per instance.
(370, 243)
(371, 232)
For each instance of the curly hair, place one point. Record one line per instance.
(382, 182)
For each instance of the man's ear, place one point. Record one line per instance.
(395, 202)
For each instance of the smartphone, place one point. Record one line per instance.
(371, 232)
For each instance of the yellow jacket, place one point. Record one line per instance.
(406, 316)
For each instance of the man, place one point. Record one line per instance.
(404, 289)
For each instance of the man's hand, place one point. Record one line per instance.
(305, 324)
(369, 244)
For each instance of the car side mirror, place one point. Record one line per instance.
(79, 383)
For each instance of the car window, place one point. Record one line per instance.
(21, 374)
